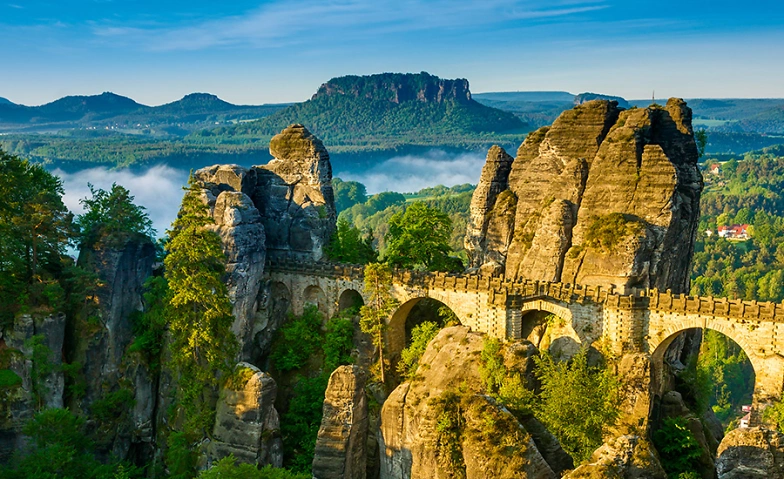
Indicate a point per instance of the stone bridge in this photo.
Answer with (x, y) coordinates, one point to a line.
(617, 322)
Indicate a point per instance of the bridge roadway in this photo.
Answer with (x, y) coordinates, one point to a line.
(637, 322)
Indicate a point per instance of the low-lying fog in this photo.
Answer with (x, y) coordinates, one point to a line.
(159, 188)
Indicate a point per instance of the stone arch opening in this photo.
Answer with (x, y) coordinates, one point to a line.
(314, 295)
(411, 314)
(549, 327)
(350, 298)
(696, 356)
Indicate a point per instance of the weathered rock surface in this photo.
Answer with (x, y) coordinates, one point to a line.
(341, 447)
(752, 453)
(101, 346)
(493, 181)
(19, 401)
(285, 208)
(624, 457)
(409, 416)
(596, 160)
(239, 224)
(294, 195)
(246, 421)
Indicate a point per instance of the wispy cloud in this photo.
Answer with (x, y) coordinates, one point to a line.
(285, 23)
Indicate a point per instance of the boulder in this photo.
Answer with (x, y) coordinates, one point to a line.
(751, 453)
(247, 424)
(448, 382)
(341, 447)
(624, 457)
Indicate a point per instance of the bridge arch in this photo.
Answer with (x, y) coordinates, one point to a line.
(398, 327)
(314, 295)
(768, 381)
(550, 325)
(350, 298)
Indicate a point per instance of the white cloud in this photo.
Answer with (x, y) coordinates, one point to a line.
(283, 23)
(158, 189)
(411, 173)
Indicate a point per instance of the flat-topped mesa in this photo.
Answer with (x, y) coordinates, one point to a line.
(398, 87)
(604, 196)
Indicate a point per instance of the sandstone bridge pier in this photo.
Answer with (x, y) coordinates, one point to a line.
(627, 324)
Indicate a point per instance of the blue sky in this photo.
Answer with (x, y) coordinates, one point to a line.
(252, 51)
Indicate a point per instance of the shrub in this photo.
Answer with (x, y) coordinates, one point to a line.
(606, 232)
(421, 336)
(297, 340)
(338, 342)
(678, 448)
(227, 468)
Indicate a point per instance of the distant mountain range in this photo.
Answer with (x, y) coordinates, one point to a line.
(364, 116)
(113, 111)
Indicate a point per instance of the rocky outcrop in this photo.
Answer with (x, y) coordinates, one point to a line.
(751, 453)
(398, 88)
(247, 424)
(341, 447)
(285, 208)
(294, 195)
(624, 457)
(493, 182)
(410, 441)
(603, 196)
(238, 223)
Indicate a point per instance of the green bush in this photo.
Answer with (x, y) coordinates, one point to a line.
(9, 379)
(338, 342)
(300, 424)
(678, 448)
(227, 468)
(297, 339)
(113, 405)
(578, 403)
(421, 336)
(607, 231)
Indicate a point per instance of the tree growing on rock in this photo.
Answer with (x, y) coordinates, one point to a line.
(203, 347)
(380, 306)
(111, 217)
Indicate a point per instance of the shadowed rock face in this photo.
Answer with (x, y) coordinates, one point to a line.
(597, 165)
(752, 453)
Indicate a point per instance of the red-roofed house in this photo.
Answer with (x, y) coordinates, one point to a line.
(734, 232)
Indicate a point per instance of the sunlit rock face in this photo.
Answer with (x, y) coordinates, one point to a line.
(751, 453)
(603, 196)
(247, 424)
(285, 208)
(341, 447)
(410, 416)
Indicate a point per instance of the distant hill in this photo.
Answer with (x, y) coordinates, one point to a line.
(586, 97)
(388, 109)
(109, 110)
(5, 101)
(526, 96)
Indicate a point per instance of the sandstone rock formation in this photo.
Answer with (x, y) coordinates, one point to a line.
(624, 457)
(493, 182)
(246, 421)
(752, 453)
(341, 447)
(285, 208)
(408, 419)
(603, 196)
(19, 400)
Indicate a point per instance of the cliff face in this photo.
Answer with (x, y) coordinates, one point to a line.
(603, 196)
(285, 208)
(398, 87)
